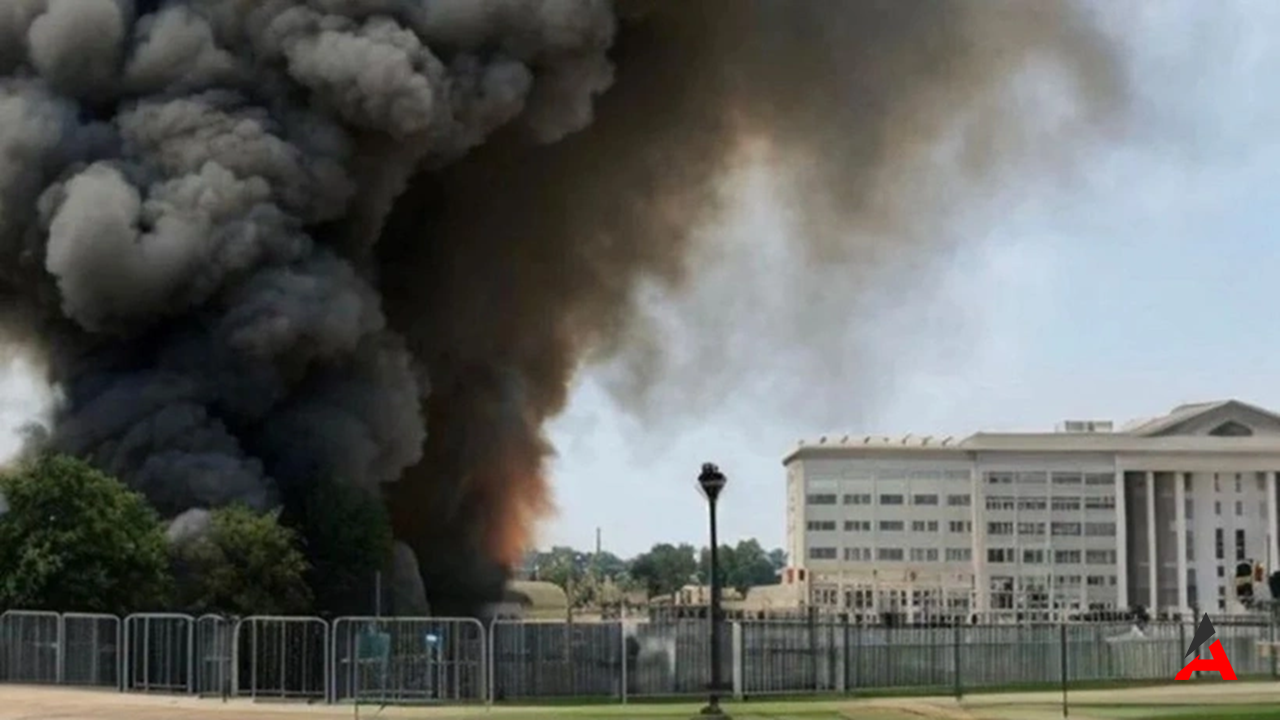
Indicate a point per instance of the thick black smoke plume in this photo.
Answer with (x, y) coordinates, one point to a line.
(261, 242)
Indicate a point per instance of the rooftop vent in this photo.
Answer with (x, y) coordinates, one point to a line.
(1086, 426)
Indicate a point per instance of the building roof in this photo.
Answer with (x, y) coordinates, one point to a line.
(1192, 428)
(536, 595)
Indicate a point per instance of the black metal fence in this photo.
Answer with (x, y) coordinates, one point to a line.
(441, 660)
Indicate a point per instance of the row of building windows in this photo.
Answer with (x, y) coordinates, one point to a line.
(1057, 504)
(929, 526)
(919, 499)
(1042, 478)
(892, 554)
(1058, 529)
(1040, 556)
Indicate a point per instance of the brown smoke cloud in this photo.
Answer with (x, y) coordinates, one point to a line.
(509, 269)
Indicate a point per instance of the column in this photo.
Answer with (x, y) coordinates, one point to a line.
(1122, 544)
(1153, 595)
(1180, 534)
(1273, 523)
(977, 509)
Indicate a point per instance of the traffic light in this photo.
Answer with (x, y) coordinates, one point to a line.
(1244, 582)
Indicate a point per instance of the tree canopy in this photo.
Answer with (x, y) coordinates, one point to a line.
(244, 563)
(73, 538)
(743, 566)
(666, 568)
(348, 540)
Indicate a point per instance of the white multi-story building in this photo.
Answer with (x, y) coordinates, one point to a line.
(1157, 514)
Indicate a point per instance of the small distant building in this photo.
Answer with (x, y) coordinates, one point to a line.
(533, 600)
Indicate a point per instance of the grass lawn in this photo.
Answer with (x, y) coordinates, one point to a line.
(1204, 712)
(804, 710)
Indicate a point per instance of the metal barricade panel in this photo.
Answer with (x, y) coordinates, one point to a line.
(555, 659)
(282, 657)
(214, 640)
(91, 650)
(674, 657)
(31, 647)
(791, 656)
(159, 653)
(409, 660)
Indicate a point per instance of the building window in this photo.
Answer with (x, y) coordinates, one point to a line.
(999, 528)
(959, 500)
(822, 499)
(1262, 481)
(1032, 503)
(1100, 502)
(857, 499)
(929, 499)
(1189, 509)
(924, 526)
(1030, 528)
(1032, 478)
(857, 526)
(961, 526)
(1191, 545)
(1099, 479)
(1100, 529)
(1066, 557)
(1186, 482)
(999, 478)
(892, 499)
(1067, 478)
(1097, 580)
(959, 554)
(1239, 509)
(1217, 487)
(1240, 546)
(1066, 528)
(822, 525)
(1239, 484)
(1066, 504)
(1033, 556)
(1217, 507)
(1100, 557)
(1000, 502)
(891, 526)
(889, 554)
(822, 553)
(1219, 545)
(1000, 555)
(924, 554)
(857, 554)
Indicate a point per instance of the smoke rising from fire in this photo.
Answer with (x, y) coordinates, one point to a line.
(261, 242)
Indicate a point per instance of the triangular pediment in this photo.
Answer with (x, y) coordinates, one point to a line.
(1229, 418)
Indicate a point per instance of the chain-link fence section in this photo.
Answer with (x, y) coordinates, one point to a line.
(556, 659)
(439, 660)
(409, 660)
(31, 647)
(159, 653)
(92, 645)
(282, 657)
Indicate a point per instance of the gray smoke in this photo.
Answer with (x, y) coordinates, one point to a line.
(264, 242)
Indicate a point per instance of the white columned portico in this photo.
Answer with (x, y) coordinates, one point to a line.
(1180, 535)
(1273, 524)
(1122, 545)
(1152, 575)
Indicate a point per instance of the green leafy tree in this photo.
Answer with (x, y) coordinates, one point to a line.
(244, 563)
(73, 538)
(348, 541)
(665, 568)
(742, 566)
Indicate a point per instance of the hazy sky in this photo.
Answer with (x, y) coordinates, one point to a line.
(1149, 285)
(1153, 284)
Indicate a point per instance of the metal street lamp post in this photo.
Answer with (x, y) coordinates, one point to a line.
(712, 481)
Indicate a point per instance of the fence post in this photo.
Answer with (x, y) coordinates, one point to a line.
(622, 629)
(955, 659)
(1063, 645)
(1272, 628)
(736, 635)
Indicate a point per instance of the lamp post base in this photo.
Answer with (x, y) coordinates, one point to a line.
(712, 712)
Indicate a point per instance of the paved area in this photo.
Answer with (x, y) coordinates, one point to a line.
(23, 703)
